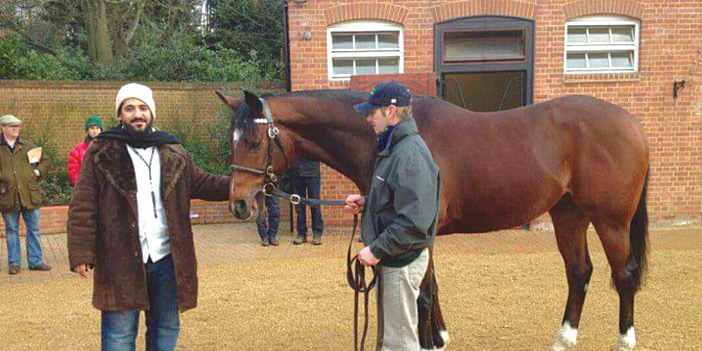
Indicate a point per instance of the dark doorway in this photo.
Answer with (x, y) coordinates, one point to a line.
(497, 90)
(485, 63)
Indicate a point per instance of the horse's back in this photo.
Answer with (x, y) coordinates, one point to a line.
(503, 168)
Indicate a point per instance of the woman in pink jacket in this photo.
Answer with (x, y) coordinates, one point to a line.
(93, 127)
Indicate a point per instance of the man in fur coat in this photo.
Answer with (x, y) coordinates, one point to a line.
(129, 220)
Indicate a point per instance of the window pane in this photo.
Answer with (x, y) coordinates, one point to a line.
(365, 41)
(342, 42)
(575, 61)
(481, 46)
(622, 59)
(342, 67)
(598, 60)
(599, 35)
(365, 66)
(389, 65)
(623, 34)
(576, 35)
(388, 41)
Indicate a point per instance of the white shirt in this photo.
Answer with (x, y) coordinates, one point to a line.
(153, 229)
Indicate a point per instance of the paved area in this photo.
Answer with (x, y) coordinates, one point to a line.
(218, 244)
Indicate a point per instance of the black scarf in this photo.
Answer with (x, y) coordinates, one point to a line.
(139, 140)
(384, 137)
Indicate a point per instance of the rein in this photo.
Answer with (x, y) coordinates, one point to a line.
(355, 271)
(357, 281)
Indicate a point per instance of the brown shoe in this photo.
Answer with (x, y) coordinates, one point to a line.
(299, 240)
(274, 241)
(317, 239)
(14, 269)
(41, 267)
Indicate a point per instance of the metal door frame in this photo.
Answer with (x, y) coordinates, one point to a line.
(486, 23)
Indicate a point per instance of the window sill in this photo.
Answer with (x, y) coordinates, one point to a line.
(601, 77)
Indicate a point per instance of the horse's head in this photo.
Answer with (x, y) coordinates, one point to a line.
(258, 154)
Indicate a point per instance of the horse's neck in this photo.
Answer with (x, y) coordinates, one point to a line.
(343, 146)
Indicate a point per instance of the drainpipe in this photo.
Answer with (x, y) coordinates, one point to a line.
(288, 88)
(286, 35)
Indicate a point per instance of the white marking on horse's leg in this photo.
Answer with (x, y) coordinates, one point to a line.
(445, 337)
(627, 341)
(566, 337)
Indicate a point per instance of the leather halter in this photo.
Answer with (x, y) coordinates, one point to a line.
(269, 187)
(271, 178)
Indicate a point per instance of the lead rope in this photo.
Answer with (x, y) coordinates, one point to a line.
(357, 281)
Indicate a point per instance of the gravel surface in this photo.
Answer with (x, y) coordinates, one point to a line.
(497, 301)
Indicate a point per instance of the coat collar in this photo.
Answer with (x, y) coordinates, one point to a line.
(19, 142)
(114, 161)
(403, 129)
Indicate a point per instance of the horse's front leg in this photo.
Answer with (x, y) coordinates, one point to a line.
(432, 328)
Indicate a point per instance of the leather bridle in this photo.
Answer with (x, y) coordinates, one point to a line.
(271, 179)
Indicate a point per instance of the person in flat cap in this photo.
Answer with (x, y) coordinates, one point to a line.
(93, 128)
(400, 213)
(20, 195)
(129, 220)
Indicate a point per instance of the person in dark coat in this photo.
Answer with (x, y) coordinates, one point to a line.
(400, 213)
(20, 195)
(267, 223)
(306, 181)
(129, 220)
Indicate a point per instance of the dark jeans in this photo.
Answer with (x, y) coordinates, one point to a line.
(270, 230)
(307, 187)
(119, 328)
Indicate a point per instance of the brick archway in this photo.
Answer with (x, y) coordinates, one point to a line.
(359, 11)
(594, 7)
(509, 8)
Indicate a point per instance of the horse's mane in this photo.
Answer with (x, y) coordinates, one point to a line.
(243, 117)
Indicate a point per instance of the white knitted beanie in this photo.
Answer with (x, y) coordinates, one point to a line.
(137, 91)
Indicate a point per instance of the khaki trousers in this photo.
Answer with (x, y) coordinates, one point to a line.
(399, 290)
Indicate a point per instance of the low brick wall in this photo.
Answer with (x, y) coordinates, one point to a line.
(53, 218)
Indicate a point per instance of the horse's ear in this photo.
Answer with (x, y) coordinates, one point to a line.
(229, 101)
(253, 103)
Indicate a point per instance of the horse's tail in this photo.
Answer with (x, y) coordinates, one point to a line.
(638, 240)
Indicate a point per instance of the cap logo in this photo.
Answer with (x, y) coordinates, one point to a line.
(374, 91)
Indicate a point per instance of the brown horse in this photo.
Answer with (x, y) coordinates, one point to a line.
(581, 159)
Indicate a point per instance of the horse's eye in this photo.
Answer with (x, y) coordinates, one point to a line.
(255, 145)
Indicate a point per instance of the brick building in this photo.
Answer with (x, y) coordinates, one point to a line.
(630, 53)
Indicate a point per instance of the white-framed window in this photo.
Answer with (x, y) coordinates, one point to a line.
(601, 44)
(364, 47)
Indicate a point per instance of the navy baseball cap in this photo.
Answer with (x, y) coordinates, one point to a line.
(384, 94)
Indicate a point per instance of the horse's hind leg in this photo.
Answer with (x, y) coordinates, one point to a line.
(571, 225)
(615, 241)
(432, 329)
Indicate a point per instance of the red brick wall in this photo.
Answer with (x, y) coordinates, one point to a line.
(670, 49)
(57, 109)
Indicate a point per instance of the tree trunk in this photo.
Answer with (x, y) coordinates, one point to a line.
(99, 46)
